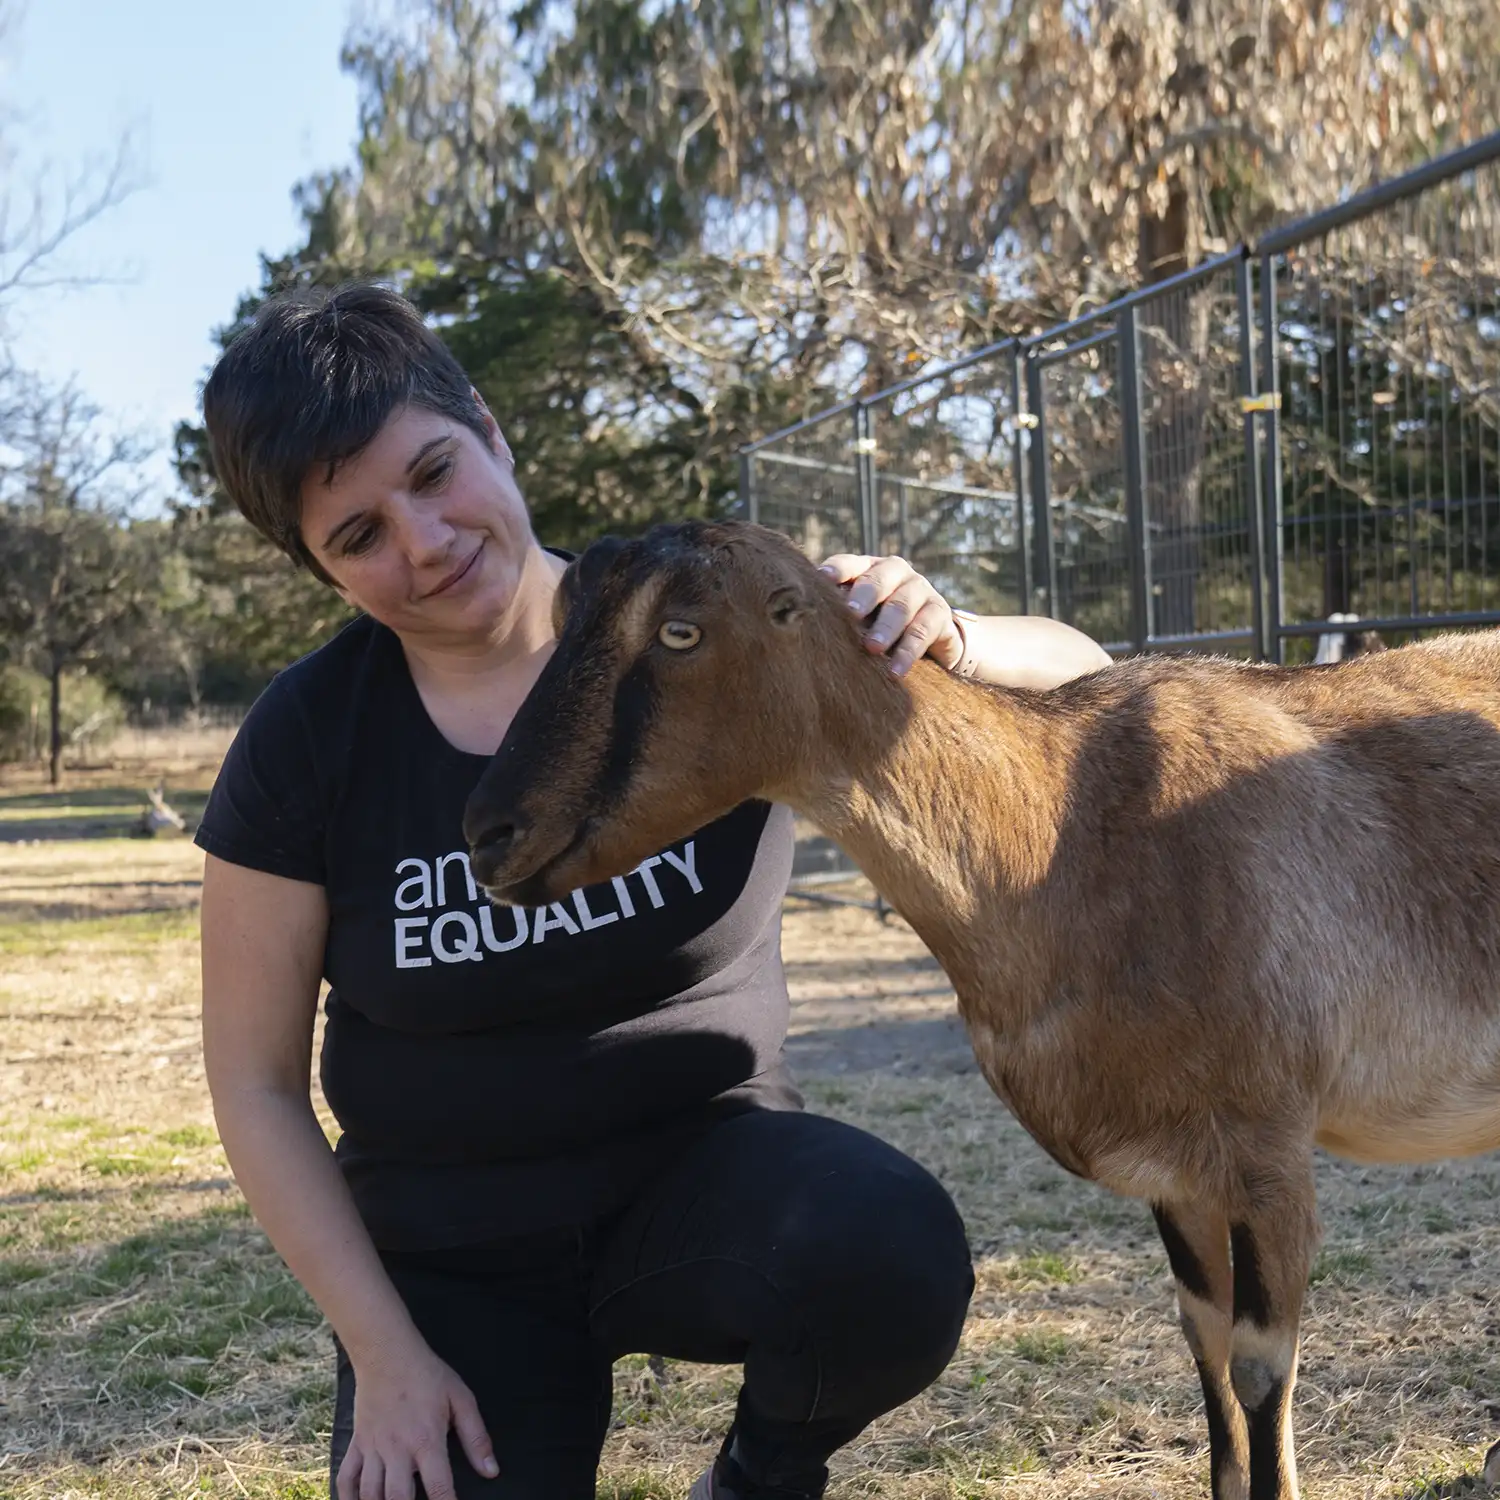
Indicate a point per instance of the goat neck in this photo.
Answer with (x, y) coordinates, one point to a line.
(954, 812)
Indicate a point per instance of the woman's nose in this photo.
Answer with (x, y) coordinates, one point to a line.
(426, 533)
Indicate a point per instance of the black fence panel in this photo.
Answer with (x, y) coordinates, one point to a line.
(1199, 492)
(1082, 433)
(1123, 472)
(806, 482)
(1387, 361)
(945, 469)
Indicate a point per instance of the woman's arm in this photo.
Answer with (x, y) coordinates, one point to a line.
(1025, 650)
(263, 940)
(915, 620)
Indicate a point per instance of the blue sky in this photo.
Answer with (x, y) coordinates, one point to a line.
(232, 103)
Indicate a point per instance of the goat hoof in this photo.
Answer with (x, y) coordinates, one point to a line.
(1492, 1467)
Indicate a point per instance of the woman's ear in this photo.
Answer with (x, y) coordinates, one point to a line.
(498, 446)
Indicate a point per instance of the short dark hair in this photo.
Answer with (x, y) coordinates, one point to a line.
(308, 384)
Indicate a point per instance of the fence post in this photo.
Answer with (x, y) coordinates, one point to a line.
(1024, 531)
(1136, 526)
(1046, 553)
(1270, 389)
(748, 497)
(1255, 523)
(864, 480)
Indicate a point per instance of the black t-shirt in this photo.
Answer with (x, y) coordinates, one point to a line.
(499, 1070)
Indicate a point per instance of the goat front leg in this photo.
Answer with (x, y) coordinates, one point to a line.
(1197, 1241)
(1273, 1233)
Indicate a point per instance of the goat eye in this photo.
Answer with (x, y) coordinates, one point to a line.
(679, 635)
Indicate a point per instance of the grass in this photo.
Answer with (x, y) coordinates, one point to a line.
(1348, 1266)
(152, 1345)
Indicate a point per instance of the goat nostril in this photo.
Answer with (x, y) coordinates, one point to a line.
(490, 850)
(493, 835)
(494, 841)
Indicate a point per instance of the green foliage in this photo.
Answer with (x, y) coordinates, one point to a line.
(90, 710)
(245, 611)
(79, 578)
(1346, 1266)
(1044, 1347)
(487, 224)
(600, 445)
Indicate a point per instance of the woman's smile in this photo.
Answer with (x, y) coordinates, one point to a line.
(457, 578)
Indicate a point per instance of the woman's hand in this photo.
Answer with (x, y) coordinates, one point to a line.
(914, 620)
(402, 1412)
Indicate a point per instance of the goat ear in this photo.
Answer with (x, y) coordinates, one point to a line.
(787, 605)
(562, 600)
(581, 577)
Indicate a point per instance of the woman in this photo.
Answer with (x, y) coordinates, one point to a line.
(567, 1133)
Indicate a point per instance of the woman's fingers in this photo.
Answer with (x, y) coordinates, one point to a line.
(400, 1482)
(845, 567)
(472, 1436)
(911, 619)
(436, 1472)
(879, 581)
(930, 633)
(346, 1486)
(371, 1478)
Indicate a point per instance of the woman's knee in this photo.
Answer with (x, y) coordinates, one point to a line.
(917, 1263)
(885, 1279)
(884, 1247)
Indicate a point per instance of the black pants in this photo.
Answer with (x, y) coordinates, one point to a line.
(831, 1266)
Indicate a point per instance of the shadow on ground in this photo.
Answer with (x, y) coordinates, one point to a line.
(930, 1047)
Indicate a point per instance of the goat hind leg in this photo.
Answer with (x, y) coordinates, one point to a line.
(1272, 1236)
(1197, 1241)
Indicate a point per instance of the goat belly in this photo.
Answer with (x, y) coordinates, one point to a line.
(1131, 1136)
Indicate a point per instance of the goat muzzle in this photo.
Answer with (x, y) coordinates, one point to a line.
(492, 846)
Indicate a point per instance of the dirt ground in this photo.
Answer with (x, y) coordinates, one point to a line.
(151, 1344)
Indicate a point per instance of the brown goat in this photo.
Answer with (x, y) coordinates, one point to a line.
(1199, 914)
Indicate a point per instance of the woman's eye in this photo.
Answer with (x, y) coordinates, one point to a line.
(361, 540)
(436, 474)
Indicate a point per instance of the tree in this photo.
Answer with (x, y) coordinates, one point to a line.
(242, 610)
(609, 433)
(896, 176)
(654, 230)
(78, 581)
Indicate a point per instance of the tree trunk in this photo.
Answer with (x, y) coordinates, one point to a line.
(1163, 251)
(55, 713)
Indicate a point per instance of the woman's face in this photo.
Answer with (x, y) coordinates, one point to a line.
(425, 529)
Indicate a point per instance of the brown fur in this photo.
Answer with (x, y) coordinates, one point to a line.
(1199, 914)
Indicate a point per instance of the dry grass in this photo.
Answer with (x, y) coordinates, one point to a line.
(151, 1345)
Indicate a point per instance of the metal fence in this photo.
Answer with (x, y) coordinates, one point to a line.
(1236, 459)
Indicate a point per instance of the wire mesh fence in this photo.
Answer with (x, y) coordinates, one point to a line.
(1386, 355)
(807, 483)
(1194, 369)
(944, 461)
(1237, 459)
(1076, 392)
